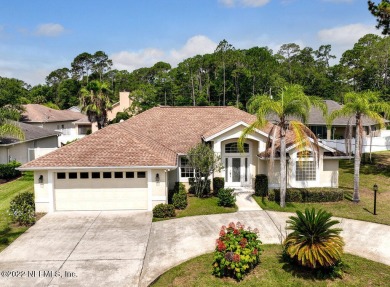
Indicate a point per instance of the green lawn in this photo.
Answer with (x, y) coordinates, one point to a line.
(377, 172)
(8, 231)
(272, 271)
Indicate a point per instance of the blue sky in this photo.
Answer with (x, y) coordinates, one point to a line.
(37, 37)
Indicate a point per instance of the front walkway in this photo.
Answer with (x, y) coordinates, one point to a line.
(175, 241)
(245, 201)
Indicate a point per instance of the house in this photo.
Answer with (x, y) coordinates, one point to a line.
(72, 125)
(37, 142)
(121, 106)
(317, 123)
(131, 165)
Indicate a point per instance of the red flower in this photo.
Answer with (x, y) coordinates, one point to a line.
(236, 257)
(232, 225)
(236, 232)
(220, 245)
(222, 233)
(243, 242)
(255, 251)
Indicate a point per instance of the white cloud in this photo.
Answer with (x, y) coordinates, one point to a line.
(346, 35)
(244, 3)
(49, 30)
(130, 60)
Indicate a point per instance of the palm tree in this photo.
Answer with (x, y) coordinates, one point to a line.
(8, 127)
(95, 102)
(358, 105)
(312, 242)
(291, 102)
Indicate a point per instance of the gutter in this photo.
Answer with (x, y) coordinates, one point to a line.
(95, 168)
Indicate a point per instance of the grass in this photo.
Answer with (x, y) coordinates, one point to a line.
(272, 271)
(377, 172)
(8, 231)
(201, 206)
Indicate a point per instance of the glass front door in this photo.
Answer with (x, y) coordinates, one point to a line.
(236, 171)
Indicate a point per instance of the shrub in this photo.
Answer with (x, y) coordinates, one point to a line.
(226, 197)
(178, 188)
(8, 171)
(22, 208)
(312, 242)
(237, 251)
(218, 183)
(308, 195)
(163, 210)
(180, 200)
(261, 185)
(192, 189)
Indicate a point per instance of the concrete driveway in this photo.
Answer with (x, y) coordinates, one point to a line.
(79, 249)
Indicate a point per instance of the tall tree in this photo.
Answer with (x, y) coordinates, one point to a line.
(290, 103)
(382, 13)
(82, 66)
(101, 64)
(223, 51)
(95, 102)
(357, 105)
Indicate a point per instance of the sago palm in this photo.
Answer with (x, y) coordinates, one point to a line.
(291, 108)
(312, 242)
(357, 105)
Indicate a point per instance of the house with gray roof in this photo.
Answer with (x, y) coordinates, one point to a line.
(132, 165)
(37, 141)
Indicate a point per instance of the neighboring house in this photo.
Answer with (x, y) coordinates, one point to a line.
(63, 121)
(121, 106)
(37, 142)
(131, 165)
(317, 123)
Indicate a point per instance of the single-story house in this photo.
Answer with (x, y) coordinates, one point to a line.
(133, 164)
(72, 125)
(37, 141)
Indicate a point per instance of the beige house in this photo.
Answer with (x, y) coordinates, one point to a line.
(131, 165)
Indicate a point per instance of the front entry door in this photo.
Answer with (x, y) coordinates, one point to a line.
(236, 171)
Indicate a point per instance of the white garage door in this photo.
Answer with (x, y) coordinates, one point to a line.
(101, 191)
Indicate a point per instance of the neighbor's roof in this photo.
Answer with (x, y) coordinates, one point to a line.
(152, 138)
(83, 121)
(316, 117)
(36, 113)
(30, 133)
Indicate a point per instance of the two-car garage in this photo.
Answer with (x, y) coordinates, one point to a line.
(100, 190)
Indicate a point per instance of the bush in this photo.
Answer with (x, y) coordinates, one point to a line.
(312, 242)
(163, 210)
(218, 183)
(192, 183)
(237, 251)
(226, 197)
(261, 185)
(180, 200)
(22, 208)
(308, 195)
(178, 188)
(8, 171)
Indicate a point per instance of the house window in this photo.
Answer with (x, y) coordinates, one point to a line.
(96, 175)
(118, 174)
(73, 175)
(305, 171)
(84, 175)
(185, 169)
(129, 174)
(233, 148)
(141, 174)
(61, 175)
(107, 174)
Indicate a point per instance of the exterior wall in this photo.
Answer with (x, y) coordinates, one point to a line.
(159, 188)
(330, 174)
(41, 192)
(124, 103)
(172, 178)
(19, 151)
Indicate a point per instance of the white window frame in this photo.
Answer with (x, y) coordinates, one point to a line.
(184, 178)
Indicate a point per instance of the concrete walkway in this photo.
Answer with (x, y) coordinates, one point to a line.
(175, 241)
(245, 201)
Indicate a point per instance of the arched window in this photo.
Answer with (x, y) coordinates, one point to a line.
(233, 148)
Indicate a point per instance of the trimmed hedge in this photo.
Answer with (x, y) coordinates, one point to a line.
(218, 183)
(22, 208)
(226, 197)
(179, 198)
(8, 171)
(261, 185)
(323, 194)
(163, 210)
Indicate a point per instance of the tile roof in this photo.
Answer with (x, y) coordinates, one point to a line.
(40, 114)
(30, 133)
(152, 138)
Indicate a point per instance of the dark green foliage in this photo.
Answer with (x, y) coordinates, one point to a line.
(163, 210)
(237, 251)
(226, 197)
(218, 183)
(22, 208)
(308, 195)
(8, 171)
(206, 190)
(180, 200)
(261, 185)
(382, 15)
(179, 187)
